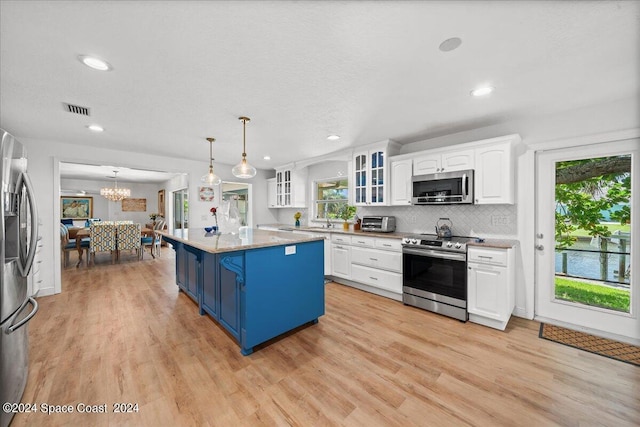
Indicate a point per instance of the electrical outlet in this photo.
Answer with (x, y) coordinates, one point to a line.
(499, 220)
(412, 219)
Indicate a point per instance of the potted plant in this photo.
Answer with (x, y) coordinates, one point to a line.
(346, 213)
(297, 217)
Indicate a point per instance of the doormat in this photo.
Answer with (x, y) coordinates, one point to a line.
(605, 347)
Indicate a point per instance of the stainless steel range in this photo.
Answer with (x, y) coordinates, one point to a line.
(435, 274)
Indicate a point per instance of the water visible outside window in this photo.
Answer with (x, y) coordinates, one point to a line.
(593, 232)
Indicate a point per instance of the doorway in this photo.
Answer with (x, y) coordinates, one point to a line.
(585, 238)
(236, 196)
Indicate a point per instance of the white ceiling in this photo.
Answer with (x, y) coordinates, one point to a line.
(105, 173)
(186, 70)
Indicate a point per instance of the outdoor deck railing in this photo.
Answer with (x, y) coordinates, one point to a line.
(622, 273)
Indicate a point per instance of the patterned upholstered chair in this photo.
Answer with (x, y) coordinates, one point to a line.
(103, 238)
(128, 238)
(69, 245)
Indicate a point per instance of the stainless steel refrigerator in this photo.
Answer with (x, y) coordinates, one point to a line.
(19, 234)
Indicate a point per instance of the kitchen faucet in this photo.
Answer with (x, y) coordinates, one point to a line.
(329, 225)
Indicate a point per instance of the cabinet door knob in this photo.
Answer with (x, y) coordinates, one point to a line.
(470, 268)
(540, 247)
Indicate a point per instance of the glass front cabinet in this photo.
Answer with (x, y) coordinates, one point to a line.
(290, 187)
(371, 174)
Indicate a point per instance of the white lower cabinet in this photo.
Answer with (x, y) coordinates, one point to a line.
(373, 264)
(490, 291)
(341, 260)
(385, 260)
(377, 278)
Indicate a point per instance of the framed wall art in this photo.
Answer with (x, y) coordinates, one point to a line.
(161, 203)
(76, 207)
(134, 205)
(205, 194)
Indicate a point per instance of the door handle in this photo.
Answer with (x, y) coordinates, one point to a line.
(540, 247)
(24, 321)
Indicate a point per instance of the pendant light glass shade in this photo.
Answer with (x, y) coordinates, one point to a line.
(211, 178)
(244, 169)
(115, 194)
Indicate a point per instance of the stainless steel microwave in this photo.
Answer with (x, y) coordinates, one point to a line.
(446, 188)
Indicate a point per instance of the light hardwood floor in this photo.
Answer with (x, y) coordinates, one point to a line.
(123, 333)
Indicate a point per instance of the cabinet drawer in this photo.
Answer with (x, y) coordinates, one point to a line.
(389, 244)
(341, 238)
(377, 278)
(363, 241)
(376, 258)
(491, 256)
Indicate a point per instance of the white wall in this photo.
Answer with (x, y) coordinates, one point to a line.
(45, 156)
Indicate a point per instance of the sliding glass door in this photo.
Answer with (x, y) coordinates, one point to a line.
(181, 209)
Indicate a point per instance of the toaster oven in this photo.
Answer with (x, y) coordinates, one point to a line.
(381, 224)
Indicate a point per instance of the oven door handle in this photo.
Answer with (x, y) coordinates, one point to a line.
(434, 254)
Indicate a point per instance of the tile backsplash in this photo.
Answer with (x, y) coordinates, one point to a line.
(494, 221)
(468, 220)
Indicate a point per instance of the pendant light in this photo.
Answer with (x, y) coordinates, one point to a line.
(115, 194)
(211, 178)
(244, 169)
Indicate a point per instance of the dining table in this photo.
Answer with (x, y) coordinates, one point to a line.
(83, 233)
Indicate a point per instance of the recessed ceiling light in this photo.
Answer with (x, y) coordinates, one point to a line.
(333, 137)
(450, 44)
(95, 63)
(95, 128)
(266, 158)
(481, 91)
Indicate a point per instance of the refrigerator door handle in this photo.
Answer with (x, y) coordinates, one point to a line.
(12, 327)
(26, 182)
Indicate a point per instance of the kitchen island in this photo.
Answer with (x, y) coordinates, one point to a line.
(257, 284)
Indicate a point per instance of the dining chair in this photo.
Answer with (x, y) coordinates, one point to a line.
(102, 239)
(154, 241)
(128, 238)
(68, 245)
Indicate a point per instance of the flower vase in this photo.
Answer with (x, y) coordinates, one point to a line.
(345, 226)
(297, 223)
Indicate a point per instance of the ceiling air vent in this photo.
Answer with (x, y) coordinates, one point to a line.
(76, 109)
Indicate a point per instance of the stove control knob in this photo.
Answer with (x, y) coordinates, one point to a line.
(405, 240)
(449, 244)
(458, 245)
(414, 241)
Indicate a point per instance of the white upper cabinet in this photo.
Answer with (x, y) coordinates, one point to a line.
(291, 187)
(494, 177)
(271, 193)
(401, 173)
(447, 161)
(371, 173)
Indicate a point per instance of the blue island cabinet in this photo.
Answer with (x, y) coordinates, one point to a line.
(222, 280)
(187, 270)
(256, 294)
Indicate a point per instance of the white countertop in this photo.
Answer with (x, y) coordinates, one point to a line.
(251, 239)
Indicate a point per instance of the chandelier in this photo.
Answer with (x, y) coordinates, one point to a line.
(115, 194)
